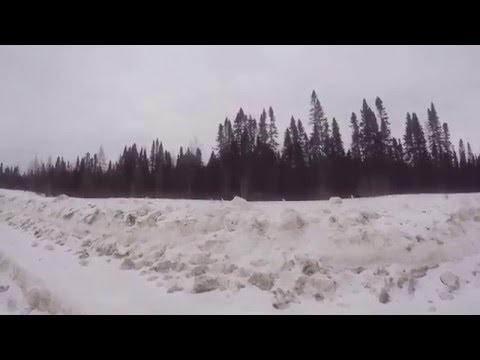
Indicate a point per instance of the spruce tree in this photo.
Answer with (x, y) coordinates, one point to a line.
(239, 125)
(318, 119)
(461, 152)
(262, 128)
(252, 133)
(228, 133)
(220, 138)
(470, 156)
(153, 157)
(447, 159)
(368, 132)
(356, 153)
(294, 131)
(198, 157)
(385, 136)
(303, 138)
(298, 156)
(419, 142)
(408, 145)
(101, 159)
(287, 148)
(272, 131)
(316, 111)
(436, 145)
(315, 145)
(325, 138)
(336, 141)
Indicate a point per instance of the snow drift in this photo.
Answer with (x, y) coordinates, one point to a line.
(292, 250)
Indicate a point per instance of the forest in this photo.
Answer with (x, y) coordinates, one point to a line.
(310, 161)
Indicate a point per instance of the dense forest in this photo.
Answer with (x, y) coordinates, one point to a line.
(248, 161)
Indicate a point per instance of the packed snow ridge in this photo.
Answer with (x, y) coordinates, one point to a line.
(317, 251)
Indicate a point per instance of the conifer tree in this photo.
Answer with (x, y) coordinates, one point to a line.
(385, 136)
(336, 140)
(461, 152)
(262, 128)
(272, 130)
(355, 148)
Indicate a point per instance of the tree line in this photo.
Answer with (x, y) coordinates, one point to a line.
(248, 161)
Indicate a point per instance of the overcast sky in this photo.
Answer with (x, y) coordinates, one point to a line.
(68, 100)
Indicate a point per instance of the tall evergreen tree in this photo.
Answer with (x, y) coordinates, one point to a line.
(435, 135)
(153, 157)
(447, 157)
(385, 136)
(419, 142)
(102, 159)
(252, 132)
(461, 152)
(368, 132)
(408, 141)
(294, 131)
(471, 157)
(220, 138)
(336, 141)
(262, 128)
(298, 156)
(455, 159)
(316, 111)
(326, 138)
(287, 150)
(239, 125)
(318, 119)
(446, 138)
(356, 152)
(272, 130)
(397, 154)
(315, 145)
(303, 139)
(228, 133)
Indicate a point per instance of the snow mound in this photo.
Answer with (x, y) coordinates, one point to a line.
(288, 250)
(450, 280)
(291, 220)
(61, 197)
(335, 200)
(239, 202)
(127, 264)
(262, 281)
(205, 284)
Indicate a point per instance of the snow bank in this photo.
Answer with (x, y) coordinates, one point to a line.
(335, 200)
(290, 250)
(238, 201)
(24, 293)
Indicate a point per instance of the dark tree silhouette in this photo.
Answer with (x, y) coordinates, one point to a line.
(246, 162)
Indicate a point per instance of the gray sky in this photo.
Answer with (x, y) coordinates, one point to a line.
(68, 100)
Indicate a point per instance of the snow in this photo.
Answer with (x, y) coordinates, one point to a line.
(335, 200)
(450, 280)
(409, 254)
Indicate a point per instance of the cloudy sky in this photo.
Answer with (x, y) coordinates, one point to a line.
(68, 100)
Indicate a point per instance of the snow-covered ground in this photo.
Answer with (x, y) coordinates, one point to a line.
(412, 254)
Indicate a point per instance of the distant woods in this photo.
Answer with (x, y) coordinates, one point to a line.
(251, 160)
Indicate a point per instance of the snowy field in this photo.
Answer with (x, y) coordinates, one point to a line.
(411, 254)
